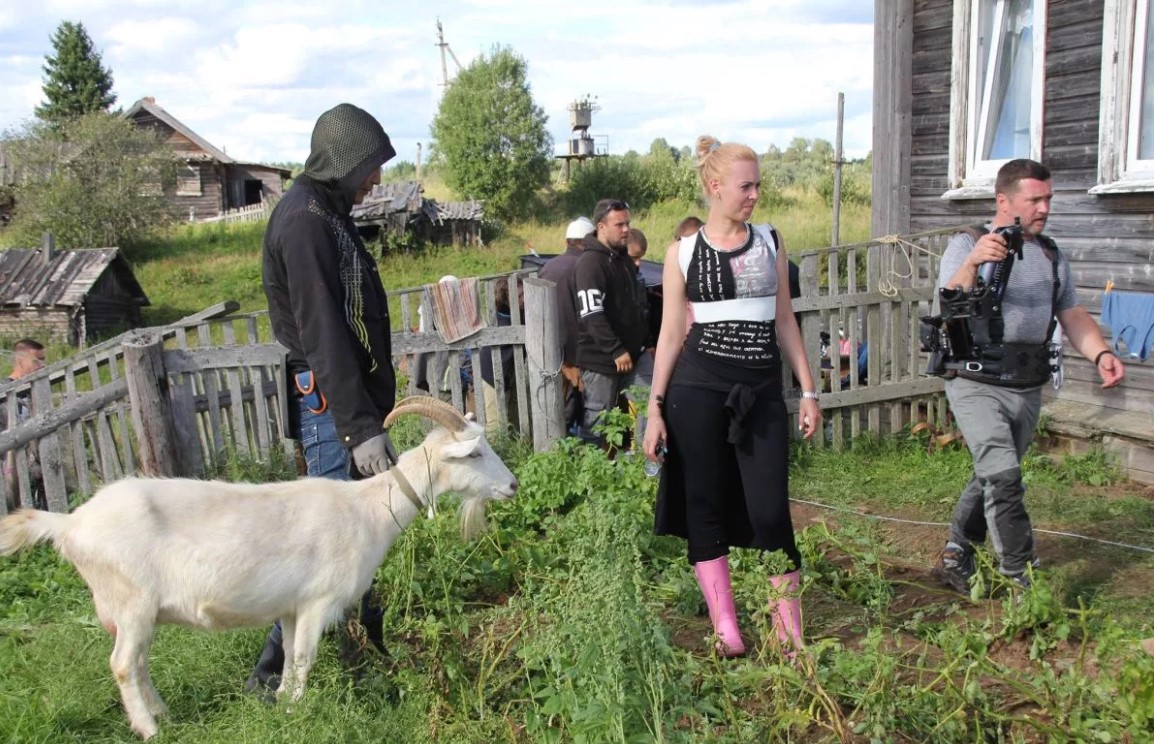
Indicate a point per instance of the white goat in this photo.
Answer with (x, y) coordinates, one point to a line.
(215, 555)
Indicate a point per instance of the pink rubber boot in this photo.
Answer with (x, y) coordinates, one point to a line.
(785, 611)
(713, 578)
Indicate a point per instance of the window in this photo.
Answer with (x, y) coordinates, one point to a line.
(150, 182)
(188, 182)
(999, 87)
(1126, 120)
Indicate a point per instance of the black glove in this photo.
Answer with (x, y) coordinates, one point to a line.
(375, 455)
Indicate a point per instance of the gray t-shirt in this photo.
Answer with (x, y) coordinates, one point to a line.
(1027, 303)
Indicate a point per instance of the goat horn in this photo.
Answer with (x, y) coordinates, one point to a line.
(431, 408)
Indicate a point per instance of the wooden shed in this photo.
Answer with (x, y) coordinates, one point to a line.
(400, 207)
(73, 295)
(962, 86)
(210, 182)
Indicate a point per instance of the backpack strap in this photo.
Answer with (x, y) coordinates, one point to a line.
(770, 235)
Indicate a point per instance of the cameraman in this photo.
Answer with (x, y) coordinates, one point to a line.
(996, 396)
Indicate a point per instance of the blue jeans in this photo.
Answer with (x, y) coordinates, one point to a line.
(325, 456)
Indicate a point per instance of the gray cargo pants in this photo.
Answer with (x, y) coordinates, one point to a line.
(998, 424)
(602, 393)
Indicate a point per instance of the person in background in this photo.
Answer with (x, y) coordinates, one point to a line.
(562, 270)
(27, 357)
(637, 246)
(611, 310)
(716, 412)
(328, 308)
(687, 227)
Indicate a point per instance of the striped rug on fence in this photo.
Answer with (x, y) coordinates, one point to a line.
(456, 308)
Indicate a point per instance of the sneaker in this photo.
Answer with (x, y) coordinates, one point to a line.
(955, 568)
(1021, 582)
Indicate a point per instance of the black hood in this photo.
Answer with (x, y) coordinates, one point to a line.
(347, 145)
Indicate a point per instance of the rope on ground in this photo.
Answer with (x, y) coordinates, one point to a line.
(907, 249)
(900, 520)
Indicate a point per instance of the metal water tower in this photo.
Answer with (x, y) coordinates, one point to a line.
(581, 143)
(580, 119)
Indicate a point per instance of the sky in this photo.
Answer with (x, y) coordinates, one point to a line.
(252, 76)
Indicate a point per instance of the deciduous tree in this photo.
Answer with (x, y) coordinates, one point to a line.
(93, 181)
(491, 136)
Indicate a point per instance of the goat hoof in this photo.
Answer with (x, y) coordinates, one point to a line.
(145, 730)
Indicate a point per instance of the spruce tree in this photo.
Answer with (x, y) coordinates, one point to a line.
(75, 80)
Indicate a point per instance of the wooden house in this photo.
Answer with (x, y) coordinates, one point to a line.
(73, 295)
(961, 86)
(400, 207)
(210, 182)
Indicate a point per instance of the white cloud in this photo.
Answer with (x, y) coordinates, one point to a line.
(253, 76)
(169, 35)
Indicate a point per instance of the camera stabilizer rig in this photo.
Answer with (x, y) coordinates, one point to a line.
(971, 320)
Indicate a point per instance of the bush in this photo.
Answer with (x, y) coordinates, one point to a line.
(95, 181)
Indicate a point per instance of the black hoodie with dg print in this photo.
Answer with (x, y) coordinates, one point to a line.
(326, 302)
(611, 306)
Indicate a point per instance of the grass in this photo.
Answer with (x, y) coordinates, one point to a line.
(569, 621)
(190, 267)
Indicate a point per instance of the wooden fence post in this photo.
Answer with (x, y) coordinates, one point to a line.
(152, 419)
(48, 450)
(543, 351)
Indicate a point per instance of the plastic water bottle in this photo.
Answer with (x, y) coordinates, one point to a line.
(653, 467)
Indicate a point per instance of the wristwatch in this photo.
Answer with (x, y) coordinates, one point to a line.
(810, 394)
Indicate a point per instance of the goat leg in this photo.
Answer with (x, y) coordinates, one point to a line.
(152, 698)
(288, 630)
(132, 640)
(309, 626)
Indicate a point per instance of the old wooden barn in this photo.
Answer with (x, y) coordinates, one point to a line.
(961, 86)
(210, 181)
(73, 296)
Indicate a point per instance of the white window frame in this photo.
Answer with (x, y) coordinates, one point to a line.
(184, 179)
(970, 178)
(1124, 22)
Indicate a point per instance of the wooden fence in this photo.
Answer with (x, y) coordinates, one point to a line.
(182, 398)
(875, 293)
(251, 213)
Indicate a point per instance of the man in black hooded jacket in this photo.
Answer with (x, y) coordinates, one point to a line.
(327, 306)
(612, 308)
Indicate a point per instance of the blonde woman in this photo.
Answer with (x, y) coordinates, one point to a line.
(716, 412)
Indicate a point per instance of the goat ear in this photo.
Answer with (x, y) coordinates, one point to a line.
(461, 448)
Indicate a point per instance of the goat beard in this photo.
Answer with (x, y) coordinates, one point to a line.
(473, 519)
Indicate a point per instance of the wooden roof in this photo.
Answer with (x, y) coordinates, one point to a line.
(406, 197)
(64, 280)
(147, 109)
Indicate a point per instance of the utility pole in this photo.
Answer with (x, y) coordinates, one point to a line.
(444, 46)
(838, 162)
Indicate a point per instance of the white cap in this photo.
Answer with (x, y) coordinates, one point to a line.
(579, 228)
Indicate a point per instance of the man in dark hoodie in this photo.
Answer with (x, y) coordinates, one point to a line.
(612, 313)
(561, 270)
(327, 306)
